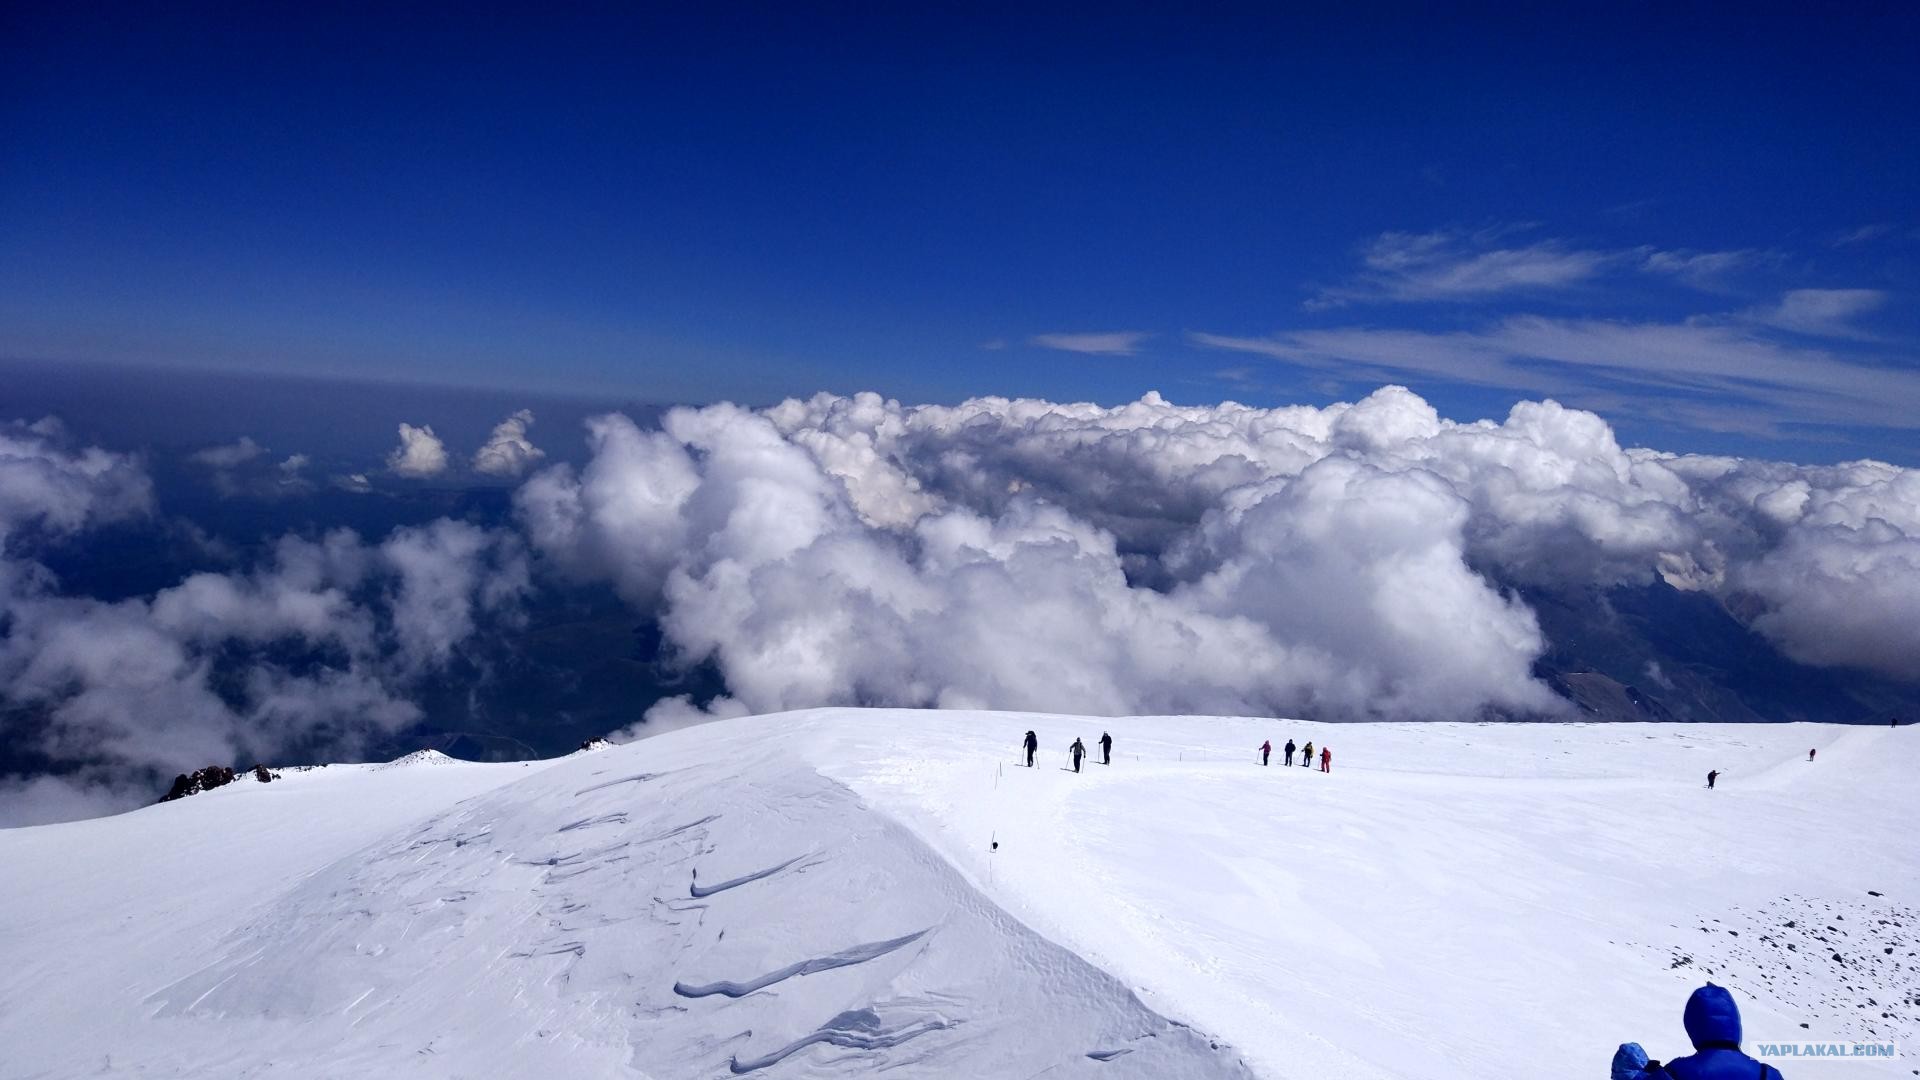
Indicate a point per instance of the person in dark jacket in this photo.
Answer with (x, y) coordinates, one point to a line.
(1078, 751)
(1812, 752)
(1711, 777)
(1288, 750)
(1265, 749)
(1713, 1024)
(1032, 743)
(1106, 749)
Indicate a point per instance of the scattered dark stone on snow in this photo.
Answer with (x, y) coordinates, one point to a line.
(262, 774)
(1870, 892)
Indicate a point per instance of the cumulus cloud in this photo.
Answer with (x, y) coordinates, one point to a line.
(48, 486)
(507, 451)
(420, 453)
(1352, 561)
(1101, 343)
(243, 468)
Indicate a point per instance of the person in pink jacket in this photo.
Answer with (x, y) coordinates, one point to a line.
(1326, 759)
(1265, 749)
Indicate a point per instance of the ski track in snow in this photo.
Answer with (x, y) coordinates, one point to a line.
(1450, 900)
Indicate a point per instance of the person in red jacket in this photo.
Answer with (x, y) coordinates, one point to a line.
(1265, 749)
(1326, 759)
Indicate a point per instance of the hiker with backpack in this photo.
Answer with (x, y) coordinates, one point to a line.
(1288, 749)
(1106, 749)
(1078, 751)
(1265, 749)
(1306, 754)
(1031, 743)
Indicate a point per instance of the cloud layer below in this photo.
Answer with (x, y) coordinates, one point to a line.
(1352, 561)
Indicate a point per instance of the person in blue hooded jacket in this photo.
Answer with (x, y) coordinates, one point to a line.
(1713, 1024)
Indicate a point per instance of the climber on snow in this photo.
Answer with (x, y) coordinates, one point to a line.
(1265, 749)
(1106, 749)
(1032, 743)
(1078, 751)
(1288, 760)
(1306, 754)
(1326, 759)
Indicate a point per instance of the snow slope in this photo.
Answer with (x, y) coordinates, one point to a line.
(816, 894)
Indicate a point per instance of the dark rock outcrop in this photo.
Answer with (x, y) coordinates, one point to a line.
(194, 783)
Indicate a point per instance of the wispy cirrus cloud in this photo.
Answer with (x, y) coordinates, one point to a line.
(1705, 270)
(1730, 363)
(1096, 343)
(1822, 312)
(1865, 234)
(1449, 265)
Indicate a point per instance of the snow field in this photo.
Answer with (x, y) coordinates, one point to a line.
(815, 894)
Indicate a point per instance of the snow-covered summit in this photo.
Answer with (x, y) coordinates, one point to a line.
(419, 758)
(843, 892)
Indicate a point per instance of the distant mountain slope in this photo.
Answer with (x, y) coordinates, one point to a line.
(1657, 653)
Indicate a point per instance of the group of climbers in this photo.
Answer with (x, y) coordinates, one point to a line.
(1306, 754)
(1078, 751)
(1031, 744)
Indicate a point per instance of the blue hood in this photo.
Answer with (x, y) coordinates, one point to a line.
(1712, 1017)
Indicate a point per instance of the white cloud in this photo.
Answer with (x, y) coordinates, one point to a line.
(1864, 234)
(48, 486)
(1822, 312)
(420, 453)
(507, 451)
(1103, 343)
(1448, 265)
(230, 455)
(1706, 270)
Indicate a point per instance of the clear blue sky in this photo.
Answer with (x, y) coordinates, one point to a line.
(1707, 226)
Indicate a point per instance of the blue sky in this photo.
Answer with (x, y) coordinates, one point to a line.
(1705, 227)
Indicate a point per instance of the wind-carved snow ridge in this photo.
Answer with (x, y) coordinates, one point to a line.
(857, 1029)
(549, 927)
(858, 954)
(699, 891)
